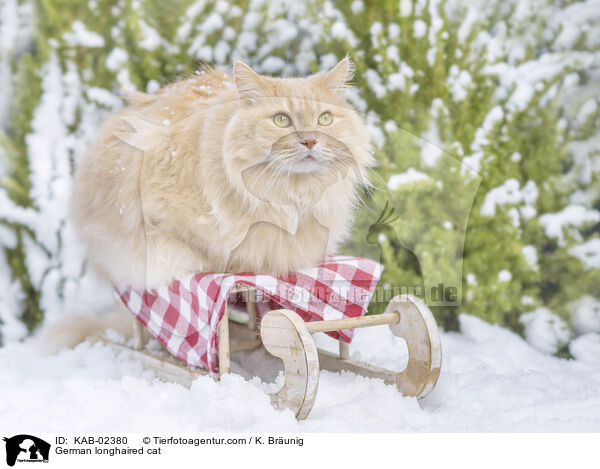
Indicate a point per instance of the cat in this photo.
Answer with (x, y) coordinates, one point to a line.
(218, 173)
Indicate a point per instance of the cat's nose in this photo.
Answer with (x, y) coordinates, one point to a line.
(309, 143)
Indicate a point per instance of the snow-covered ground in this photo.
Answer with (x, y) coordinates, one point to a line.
(491, 380)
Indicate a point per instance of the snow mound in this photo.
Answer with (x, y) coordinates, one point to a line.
(491, 380)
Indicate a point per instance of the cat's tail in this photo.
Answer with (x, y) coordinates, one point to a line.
(76, 328)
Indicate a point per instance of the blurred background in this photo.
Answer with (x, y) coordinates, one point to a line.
(484, 117)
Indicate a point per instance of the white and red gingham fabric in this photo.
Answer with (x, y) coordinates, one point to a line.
(184, 315)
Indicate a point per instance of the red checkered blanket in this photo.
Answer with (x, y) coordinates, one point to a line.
(184, 315)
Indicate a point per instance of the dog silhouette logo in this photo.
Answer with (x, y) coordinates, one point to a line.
(26, 448)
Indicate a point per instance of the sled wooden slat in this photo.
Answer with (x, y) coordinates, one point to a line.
(332, 362)
(418, 328)
(138, 335)
(166, 367)
(353, 323)
(344, 352)
(223, 338)
(285, 335)
(252, 310)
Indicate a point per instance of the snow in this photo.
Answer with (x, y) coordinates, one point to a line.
(152, 87)
(411, 175)
(405, 8)
(586, 348)
(511, 193)
(460, 82)
(466, 26)
(572, 215)
(116, 59)
(11, 294)
(376, 29)
(520, 97)
(213, 22)
(374, 81)
(531, 255)
(507, 193)
(494, 116)
(70, 111)
(588, 253)
(530, 192)
(585, 315)
(397, 81)
(338, 30)
(419, 28)
(221, 51)
(273, 65)
(14, 213)
(431, 144)
(15, 36)
(573, 20)
(585, 155)
(48, 150)
(491, 380)
(587, 110)
(5, 96)
(104, 98)
(55, 259)
(393, 54)
(124, 81)
(504, 276)
(80, 36)
(545, 330)
(357, 6)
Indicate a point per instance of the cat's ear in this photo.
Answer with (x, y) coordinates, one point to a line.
(338, 77)
(250, 84)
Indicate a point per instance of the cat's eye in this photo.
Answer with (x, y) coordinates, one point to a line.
(282, 120)
(325, 119)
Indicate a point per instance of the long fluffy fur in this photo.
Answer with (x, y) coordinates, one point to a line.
(198, 178)
(74, 329)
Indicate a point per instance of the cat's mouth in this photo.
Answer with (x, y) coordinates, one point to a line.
(307, 163)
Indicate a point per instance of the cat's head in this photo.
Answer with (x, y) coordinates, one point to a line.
(295, 134)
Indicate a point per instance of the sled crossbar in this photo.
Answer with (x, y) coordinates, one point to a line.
(353, 323)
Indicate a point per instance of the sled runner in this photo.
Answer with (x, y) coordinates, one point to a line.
(281, 314)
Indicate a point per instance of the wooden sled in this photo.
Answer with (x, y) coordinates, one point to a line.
(285, 335)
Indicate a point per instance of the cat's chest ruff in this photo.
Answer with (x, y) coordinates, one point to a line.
(288, 218)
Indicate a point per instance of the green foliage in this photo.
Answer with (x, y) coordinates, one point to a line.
(436, 107)
(493, 243)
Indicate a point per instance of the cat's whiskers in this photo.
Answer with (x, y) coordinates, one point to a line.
(267, 166)
(337, 165)
(369, 188)
(265, 188)
(344, 155)
(333, 160)
(274, 177)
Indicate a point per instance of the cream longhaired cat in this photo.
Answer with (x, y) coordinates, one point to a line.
(212, 174)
